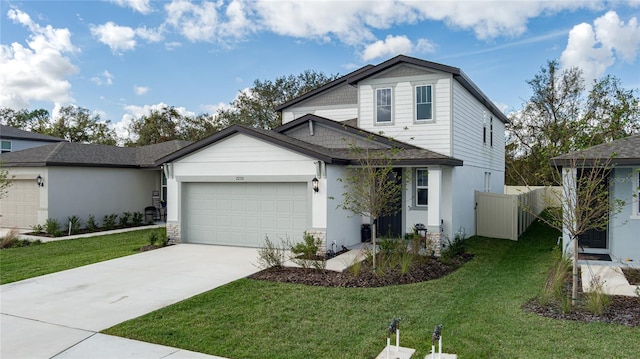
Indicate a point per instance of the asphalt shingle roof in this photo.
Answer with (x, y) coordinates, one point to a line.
(625, 151)
(12, 133)
(89, 155)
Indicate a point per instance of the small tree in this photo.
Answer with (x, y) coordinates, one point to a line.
(372, 187)
(585, 199)
(5, 181)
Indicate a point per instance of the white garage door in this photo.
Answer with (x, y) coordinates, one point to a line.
(241, 214)
(19, 209)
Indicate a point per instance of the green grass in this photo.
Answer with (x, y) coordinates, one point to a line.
(479, 306)
(39, 259)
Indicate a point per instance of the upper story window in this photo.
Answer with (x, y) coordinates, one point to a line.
(383, 105)
(6, 146)
(636, 193)
(422, 187)
(424, 103)
(484, 127)
(491, 131)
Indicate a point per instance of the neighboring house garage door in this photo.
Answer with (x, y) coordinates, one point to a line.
(19, 209)
(241, 214)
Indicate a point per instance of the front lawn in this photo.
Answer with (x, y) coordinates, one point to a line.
(479, 305)
(38, 259)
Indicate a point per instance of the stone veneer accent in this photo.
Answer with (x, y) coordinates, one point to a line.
(173, 233)
(322, 235)
(434, 243)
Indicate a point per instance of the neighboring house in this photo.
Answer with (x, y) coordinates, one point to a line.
(13, 139)
(81, 179)
(242, 184)
(621, 240)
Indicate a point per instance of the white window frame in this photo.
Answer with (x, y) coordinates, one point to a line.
(3, 150)
(491, 131)
(418, 187)
(635, 200)
(391, 105)
(484, 127)
(415, 103)
(487, 181)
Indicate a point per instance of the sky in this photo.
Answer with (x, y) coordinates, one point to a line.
(122, 58)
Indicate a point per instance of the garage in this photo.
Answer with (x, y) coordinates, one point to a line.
(241, 214)
(19, 209)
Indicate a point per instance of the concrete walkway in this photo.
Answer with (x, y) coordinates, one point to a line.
(59, 314)
(613, 280)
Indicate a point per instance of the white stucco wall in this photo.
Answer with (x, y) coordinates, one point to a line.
(342, 226)
(86, 191)
(624, 229)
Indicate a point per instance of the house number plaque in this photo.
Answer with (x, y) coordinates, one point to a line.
(239, 178)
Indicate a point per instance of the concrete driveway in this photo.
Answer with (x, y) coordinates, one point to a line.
(44, 317)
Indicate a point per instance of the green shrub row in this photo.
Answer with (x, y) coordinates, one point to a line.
(74, 225)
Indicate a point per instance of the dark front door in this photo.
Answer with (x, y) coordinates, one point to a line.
(392, 225)
(594, 238)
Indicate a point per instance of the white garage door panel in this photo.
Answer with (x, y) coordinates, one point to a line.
(241, 214)
(19, 209)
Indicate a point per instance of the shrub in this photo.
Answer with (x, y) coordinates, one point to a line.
(558, 276)
(595, 300)
(456, 247)
(109, 221)
(92, 226)
(153, 238)
(52, 227)
(271, 256)
(37, 229)
(9, 240)
(74, 224)
(308, 248)
(137, 218)
(125, 218)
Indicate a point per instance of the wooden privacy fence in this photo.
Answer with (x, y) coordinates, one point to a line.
(509, 215)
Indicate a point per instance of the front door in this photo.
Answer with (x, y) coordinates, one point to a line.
(391, 226)
(594, 238)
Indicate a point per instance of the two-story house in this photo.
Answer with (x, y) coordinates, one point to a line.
(244, 184)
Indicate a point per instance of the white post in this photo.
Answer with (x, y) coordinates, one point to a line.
(388, 346)
(440, 348)
(433, 351)
(397, 340)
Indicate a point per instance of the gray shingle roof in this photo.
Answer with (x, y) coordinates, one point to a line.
(625, 151)
(409, 155)
(88, 155)
(12, 133)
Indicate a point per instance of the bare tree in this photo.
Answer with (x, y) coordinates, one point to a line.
(372, 188)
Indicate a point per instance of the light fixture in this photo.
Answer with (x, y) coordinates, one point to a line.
(314, 183)
(40, 181)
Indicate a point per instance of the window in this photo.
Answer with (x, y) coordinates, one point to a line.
(484, 127)
(422, 187)
(487, 181)
(6, 146)
(164, 187)
(383, 105)
(636, 193)
(424, 103)
(491, 131)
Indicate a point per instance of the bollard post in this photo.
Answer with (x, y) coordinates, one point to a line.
(436, 336)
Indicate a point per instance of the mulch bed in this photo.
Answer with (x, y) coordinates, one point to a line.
(632, 275)
(422, 270)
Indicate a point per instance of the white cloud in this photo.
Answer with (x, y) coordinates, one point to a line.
(396, 45)
(170, 46)
(38, 71)
(118, 38)
(150, 35)
(212, 109)
(594, 50)
(391, 46)
(141, 6)
(614, 34)
(105, 78)
(140, 90)
(134, 112)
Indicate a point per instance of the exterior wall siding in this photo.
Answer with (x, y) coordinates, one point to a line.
(624, 241)
(17, 145)
(434, 135)
(342, 226)
(98, 191)
(336, 113)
